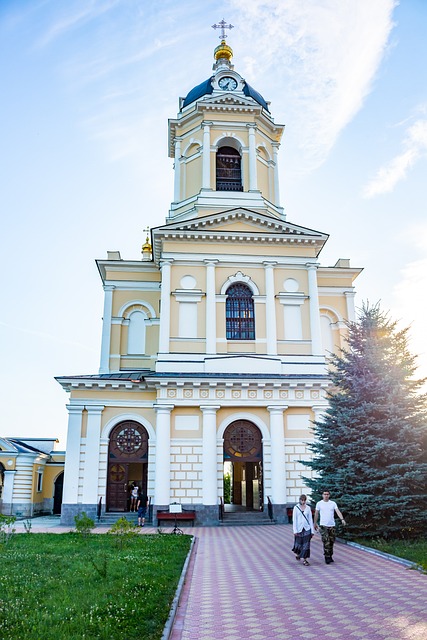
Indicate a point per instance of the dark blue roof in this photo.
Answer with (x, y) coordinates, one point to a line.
(201, 90)
(206, 88)
(251, 93)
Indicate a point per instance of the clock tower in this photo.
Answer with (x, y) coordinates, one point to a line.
(225, 144)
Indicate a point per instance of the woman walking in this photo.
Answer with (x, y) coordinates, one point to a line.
(302, 521)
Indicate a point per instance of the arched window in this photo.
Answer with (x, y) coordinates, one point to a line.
(228, 170)
(239, 313)
(136, 333)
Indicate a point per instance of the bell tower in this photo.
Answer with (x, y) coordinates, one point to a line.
(225, 144)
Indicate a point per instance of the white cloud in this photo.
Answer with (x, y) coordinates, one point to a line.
(410, 302)
(322, 54)
(414, 148)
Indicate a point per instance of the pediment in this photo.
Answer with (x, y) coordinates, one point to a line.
(230, 100)
(239, 221)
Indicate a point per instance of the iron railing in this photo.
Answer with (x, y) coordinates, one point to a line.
(270, 508)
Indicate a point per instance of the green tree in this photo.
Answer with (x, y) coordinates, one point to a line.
(370, 448)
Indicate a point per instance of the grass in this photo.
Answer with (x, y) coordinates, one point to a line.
(69, 587)
(413, 550)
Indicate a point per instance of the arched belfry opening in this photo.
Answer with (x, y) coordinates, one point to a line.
(127, 464)
(228, 170)
(243, 477)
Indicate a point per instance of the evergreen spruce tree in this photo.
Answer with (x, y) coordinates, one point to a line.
(370, 448)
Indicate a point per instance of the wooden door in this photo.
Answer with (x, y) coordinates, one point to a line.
(118, 486)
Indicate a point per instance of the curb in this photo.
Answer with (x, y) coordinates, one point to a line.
(381, 554)
(175, 602)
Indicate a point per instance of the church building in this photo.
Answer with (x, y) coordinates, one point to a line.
(215, 343)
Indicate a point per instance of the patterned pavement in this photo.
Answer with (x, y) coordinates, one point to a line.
(244, 582)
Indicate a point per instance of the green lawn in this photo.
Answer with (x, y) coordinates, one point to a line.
(65, 586)
(414, 550)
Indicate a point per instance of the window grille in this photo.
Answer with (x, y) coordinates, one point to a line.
(240, 315)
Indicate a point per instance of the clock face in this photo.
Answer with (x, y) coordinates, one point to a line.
(227, 84)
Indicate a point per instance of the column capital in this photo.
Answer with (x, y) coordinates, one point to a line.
(75, 408)
(163, 408)
(210, 261)
(269, 263)
(209, 408)
(165, 262)
(109, 287)
(277, 408)
(207, 123)
(95, 408)
(252, 126)
(312, 265)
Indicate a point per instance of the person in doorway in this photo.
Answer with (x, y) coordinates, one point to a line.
(302, 522)
(326, 509)
(142, 506)
(133, 497)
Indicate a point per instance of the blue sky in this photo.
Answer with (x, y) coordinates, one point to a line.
(88, 86)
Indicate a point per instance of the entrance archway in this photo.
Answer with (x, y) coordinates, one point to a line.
(57, 493)
(243, 461)
(127, 464)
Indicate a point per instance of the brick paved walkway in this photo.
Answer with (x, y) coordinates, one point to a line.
(244, 582)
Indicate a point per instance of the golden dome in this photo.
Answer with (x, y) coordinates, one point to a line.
(146, 249)
(223, 51)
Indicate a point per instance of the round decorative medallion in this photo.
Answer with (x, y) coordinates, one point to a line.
(242, 440)
(129, 440)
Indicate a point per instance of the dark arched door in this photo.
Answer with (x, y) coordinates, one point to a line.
(243, 456)
(57, 493)
(127, 464)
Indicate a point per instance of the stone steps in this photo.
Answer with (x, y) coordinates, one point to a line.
(246, 518)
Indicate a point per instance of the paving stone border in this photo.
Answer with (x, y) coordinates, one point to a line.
(381, 554)
(175, 602)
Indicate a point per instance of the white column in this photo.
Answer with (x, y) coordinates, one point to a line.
(316, 335)
(106, 329)
(72, 459)
(177, 176)
(270, 309)
(276, 174)
(319, 412)
(209, 456)
(210, 306)
(278, 470)
(206, 177)
(7, 495)
(165, 307)
(252, 159)
(349, 296)
(91, 459)
(163, 454)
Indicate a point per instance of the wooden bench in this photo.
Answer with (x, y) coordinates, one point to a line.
(165, 514)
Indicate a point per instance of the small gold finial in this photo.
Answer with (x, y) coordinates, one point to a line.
(147, 249)
(223, 51)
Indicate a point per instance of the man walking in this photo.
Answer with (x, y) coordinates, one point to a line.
(327, 508)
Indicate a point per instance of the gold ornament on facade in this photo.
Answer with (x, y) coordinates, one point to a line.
(147, 249)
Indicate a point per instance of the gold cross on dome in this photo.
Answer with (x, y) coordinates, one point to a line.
(223, 26)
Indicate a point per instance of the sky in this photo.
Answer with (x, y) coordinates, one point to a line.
(87, 89)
